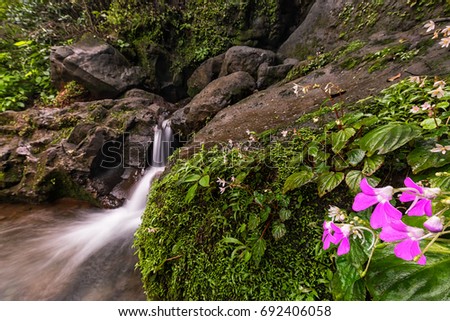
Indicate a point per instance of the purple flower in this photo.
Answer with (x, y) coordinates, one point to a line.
(333, 234)
(408, 249)
(384, 212)
(420, 196)
(434, 224)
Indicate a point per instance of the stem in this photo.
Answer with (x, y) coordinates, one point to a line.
(363, 274)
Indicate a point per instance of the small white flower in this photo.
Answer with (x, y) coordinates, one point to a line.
(426, 106)
(415, 79)
(445, 42)
(414, 109)
(446, 31)
(248, 132)
(440, 149)
(222, 189)
(295, 88)
(438, 92)
(221, 182)
(284, 133)
(430, 25)
(439, 83)
(315, 119)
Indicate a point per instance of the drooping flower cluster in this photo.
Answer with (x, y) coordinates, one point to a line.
(388, 218)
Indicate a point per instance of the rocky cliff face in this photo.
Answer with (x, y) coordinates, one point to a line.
(94, 149)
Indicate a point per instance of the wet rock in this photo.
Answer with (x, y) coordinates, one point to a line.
(248, 59)
(204, 74)
(219, 94)
(96, 65)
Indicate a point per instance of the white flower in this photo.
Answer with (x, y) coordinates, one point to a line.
(446, 31)
(438, 92)
(430, 26)
(440, 149)
(315, 119)
(248, 132)
(222, 189)
(445, 42)
(415, 79)
(415, 109)
(221, 182)
(295, 88)
(284, 133)
(426, 106)
(439, 83)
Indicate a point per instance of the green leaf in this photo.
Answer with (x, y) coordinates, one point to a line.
(366, 121)
(278, 230)
(430, 123)
(285, 214)
(258, 250)
(340, 139)
(231, 240)
(191, 193)
(297, 179)
(329, 181)
(339, 163)
(391, 278)
(253, 221)
(442, 104)
(191, 178)
(247, 255)
(421, 158)
(387, 138)
(353, 178)
(372, 164)
(355, 156)
(204, 181)
(347, 283)
(443, 182)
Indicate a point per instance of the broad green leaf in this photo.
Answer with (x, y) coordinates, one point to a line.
(23, 43)
(204, 181)
(329, 181)
(387, 138)
(285, 214)
(443, 182)
(258, 250)
(355, 156)
(191, 178)
(430, 123)
(366, 121)
(340, 139)
(247, 255)
(297, 179)
(442, 104)
(372, 164)
(339, 164)
(191, 193)
(265, 213)
(391, 278)
(353, 178)
(422, 158)
(253, 221)
(347, 284)
(278, 230)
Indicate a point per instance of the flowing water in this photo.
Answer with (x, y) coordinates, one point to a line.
(69, 251)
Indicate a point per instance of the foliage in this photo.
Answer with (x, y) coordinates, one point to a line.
(236, 237)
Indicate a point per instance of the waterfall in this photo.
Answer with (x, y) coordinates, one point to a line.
(57, 254)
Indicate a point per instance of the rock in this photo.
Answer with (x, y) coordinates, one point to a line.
(268, 75)
(96, 65)
(248, 59)
(219, 94)
(204, 74)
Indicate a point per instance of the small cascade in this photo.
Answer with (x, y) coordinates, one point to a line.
(54, 260)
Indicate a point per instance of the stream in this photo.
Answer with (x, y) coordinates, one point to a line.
(68, 250)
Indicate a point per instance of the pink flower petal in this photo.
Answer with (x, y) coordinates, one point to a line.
(393, 233)
(411, 184)
(392, 213)
(363, 201)
(366, 188)
(420, 208)
(344, 247)
(384, 214)
(407, 196)
(406, 250)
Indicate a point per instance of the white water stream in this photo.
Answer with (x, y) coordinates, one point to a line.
(70, 252)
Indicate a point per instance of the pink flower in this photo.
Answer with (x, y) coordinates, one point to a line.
(426, 106)
(414, 109)
(333, 234)
(434, 224)
(438, 92)
(445, 42)
(384, 212)
(420, 196)
(408, 249)
(430, 25)
(440, 149)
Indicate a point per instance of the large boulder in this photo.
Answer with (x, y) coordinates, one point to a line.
(204, 74)
(219, 94)
(248, 59)
(96, 65)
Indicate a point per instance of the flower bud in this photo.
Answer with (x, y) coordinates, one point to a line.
(434, 224)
